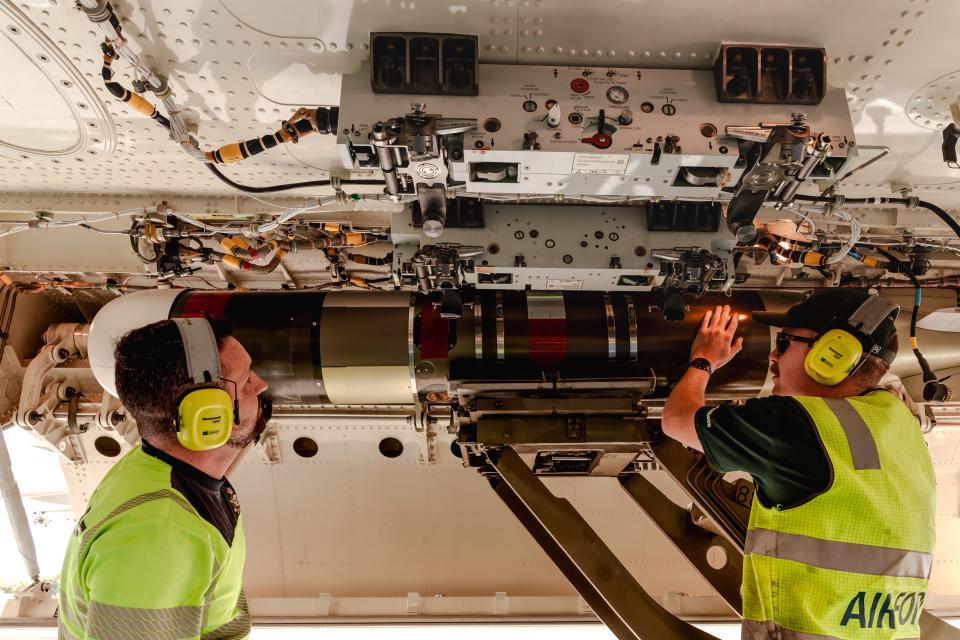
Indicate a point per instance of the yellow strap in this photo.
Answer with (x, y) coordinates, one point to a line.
(139, 103)
(232, 261)
(230, 153)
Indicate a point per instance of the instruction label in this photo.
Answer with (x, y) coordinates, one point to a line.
(564, 284)
(600, 163)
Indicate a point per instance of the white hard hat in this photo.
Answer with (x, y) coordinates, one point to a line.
(116, 318)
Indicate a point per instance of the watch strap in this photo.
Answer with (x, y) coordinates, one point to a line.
(701, 363)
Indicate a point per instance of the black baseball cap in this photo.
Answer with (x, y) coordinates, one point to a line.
(821, 309)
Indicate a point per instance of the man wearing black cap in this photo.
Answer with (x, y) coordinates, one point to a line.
(841, 529)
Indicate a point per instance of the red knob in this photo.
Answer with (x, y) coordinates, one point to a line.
(599, 140)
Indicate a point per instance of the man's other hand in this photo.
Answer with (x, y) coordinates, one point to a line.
(715, 341)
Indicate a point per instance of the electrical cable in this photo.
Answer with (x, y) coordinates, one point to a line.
(284, 187)
(46, 223)
(910, 202)
(846, 247)
(207, 282)
(933, 389)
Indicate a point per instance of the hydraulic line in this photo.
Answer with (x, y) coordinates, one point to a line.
(245, 265)
(237, 246)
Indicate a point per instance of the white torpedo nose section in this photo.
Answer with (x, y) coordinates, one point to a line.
(116, 318)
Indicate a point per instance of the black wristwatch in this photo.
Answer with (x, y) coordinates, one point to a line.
(701, 363)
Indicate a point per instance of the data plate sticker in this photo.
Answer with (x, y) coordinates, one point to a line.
(600, 163)
(564, 284)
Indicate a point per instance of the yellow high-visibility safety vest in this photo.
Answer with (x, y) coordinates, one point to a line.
(142, 563)
(852, 562)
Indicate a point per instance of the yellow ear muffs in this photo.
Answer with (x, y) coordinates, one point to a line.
(205, 419)
(833, 356)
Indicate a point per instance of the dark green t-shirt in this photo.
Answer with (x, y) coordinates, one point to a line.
(774, 440)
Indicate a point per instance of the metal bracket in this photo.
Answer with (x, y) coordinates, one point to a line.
(596, 573)
(717, 560)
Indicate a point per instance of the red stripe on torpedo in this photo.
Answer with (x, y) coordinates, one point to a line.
(200, 303)
(548, 339)
(434, 333)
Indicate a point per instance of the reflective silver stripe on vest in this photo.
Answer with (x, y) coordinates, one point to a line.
(768, 630)
(863, 449)
(236, 629)
(110, 622)
(64, 633)
(839, 556)
(63, 630)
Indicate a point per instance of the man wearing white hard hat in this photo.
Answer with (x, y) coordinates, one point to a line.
(159, 552)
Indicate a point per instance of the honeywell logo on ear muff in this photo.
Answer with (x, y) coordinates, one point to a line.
(205, 416)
